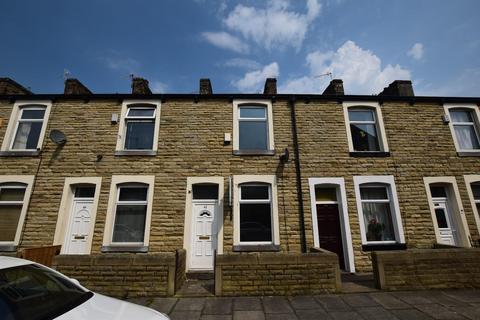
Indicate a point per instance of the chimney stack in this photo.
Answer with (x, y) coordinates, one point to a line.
(398, 88)
(9, 86)
(75, 87)
(270, 86)
(335, 88)
(140, 86)
(205, 86)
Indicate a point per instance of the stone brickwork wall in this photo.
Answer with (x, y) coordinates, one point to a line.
(427, 269)
(420, 144)
(180, 268)
(276, 274)
(121, 275)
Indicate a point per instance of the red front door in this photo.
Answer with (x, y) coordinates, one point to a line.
(329, 234)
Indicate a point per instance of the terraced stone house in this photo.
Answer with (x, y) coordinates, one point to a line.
(143, 173)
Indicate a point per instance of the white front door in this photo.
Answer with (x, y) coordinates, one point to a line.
(78, 235)
(204, 237)
(446, 227)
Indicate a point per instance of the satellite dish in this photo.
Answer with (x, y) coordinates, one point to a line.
(58, 137)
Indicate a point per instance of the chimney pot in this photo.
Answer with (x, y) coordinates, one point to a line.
(399, 88)
(75, 87)
(205, 86)
(9, 86)
(335, 88)
(140, 86)
(270, 86)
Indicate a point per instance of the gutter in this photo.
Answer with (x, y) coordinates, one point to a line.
(298, 173)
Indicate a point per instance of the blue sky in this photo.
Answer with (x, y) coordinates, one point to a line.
(237, 44)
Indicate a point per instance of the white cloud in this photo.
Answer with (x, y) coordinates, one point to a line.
(116, 61)
(253, 80)
(360, 69)
(466, 84)
(242, 63)
(158, 86)
(416, 52)
(225, 40)
(275, 26)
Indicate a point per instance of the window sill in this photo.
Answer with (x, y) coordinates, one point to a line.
(136, 153)
(468, 153)
(374, 154)
(8, 248)
(20, 153)
(384, 247)
(124, 249)
(257, 247)
(253, 152)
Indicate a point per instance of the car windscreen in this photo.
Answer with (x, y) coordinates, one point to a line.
(32, 292)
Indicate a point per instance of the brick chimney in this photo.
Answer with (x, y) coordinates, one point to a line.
(140, 86)
(270, 86)
(398, 88)
(335, 88)
(75, 87)
(205, 86)
(9, 86)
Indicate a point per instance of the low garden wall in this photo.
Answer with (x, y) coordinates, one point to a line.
(427, 269)
(180, 268)
(122, 274)
(276, 273)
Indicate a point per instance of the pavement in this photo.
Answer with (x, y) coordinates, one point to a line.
(408, 305)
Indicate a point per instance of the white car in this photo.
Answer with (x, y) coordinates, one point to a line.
(31, 291)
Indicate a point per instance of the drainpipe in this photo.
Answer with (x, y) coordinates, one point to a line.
(298, 172)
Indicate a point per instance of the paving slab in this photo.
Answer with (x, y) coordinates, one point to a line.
(276, 305)
(410, 314)
(413, 297)
(345, 315)
(164, 305)
(444, 299)
(437, 311)
(250, 315)
(189, 304)
(185, 315)
(375, 313)
(304, 302)
(470, 296)
(359, 300)
(333, 303)
(388, 301)
(312, 314)
(218, 306)
(247, 304)
(143, 301)
(216, 317)
(281, 316)
(470, 312)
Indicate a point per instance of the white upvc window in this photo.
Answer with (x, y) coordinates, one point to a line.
(14, 198)
(364, 126)
(27, 126)
(473, 190)
(255, 211)
(378, 210)
(253, 126)
(139, 126)
(129, 212)
(464, 125)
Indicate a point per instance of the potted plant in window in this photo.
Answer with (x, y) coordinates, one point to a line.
(375, 230)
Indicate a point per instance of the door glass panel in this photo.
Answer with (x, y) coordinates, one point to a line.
(325, 194)
(253, 135)
(9, 217)
(254, 193)
(441, 218)
(84, 192)
(255, 222)
(205, 191)
(378, 221)
(438, 192)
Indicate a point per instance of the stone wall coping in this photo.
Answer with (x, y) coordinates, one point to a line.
(266, 258)
(165, 258)
(423, 254)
